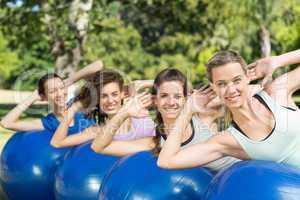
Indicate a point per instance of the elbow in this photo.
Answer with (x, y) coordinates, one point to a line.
(56, 144)
(99, 65)
(5, 125)
(96, 148)
(163, 163)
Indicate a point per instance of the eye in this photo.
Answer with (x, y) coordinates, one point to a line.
(221, 84)
(237, 81)
(103, 96)
(177, 96)
(163, 95)
(115, 94)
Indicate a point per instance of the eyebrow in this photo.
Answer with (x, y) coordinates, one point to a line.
(222, 81)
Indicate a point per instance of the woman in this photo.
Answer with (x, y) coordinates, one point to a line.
(105, 92)
(53, 89)
(261, 128)
(170, 92)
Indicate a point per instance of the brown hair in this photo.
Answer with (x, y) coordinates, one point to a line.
(90, 93)
(169, 74)
(42, 81)
(223, 58)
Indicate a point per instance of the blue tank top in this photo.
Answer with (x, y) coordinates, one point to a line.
(81, 122)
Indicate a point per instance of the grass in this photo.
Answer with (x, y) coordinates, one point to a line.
(4, 137)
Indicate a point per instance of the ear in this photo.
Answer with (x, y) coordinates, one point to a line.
(213, 86)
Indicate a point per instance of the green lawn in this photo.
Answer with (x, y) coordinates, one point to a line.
(4, 136)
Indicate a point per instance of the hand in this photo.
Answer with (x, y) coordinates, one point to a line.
(137, 105)
(36, 96)
(262, 68)
(199, 100)
(135, 86)
(76, 107)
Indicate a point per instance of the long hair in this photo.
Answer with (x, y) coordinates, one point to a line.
(169, 74)
(223, 58)
(90, 93)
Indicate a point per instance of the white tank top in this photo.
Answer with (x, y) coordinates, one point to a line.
(283, 144)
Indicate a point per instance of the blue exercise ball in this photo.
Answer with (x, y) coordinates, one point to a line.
(28, 164)
(253, 180)
(139, 177)
(81, 174)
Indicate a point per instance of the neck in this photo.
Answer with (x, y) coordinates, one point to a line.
(59, 112)
(168, 125)
(243, 113)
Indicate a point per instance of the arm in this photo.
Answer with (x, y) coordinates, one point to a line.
(61, 139)
(11, 119)
(85, 72)
(135, 86)
(264, 68)
(124, 148)
(173, 156)
(135, 107)
(283, 87)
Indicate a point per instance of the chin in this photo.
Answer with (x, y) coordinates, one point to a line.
(234, 105)
(171, 115)
(111, 112)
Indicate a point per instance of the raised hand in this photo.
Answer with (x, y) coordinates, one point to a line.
(135, 86)
(198, 101)
(262, 68)
(137, 105)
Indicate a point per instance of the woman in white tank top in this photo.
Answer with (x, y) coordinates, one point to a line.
(261, 127)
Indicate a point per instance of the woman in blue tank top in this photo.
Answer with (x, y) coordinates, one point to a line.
(53, 89)
(261, 128)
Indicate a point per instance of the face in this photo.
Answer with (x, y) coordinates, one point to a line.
(56, 92)
(170, 99)
(231, 84)
(111, 98)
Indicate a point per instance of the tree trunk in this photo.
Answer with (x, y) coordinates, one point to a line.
(67, 61)
(265, 42)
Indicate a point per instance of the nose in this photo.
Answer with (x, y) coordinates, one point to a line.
(110, 99)
(171, 101)
(231, 89)
(61, 92)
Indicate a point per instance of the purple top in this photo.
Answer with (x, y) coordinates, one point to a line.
(140, 128)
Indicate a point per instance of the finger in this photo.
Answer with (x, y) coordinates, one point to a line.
(139, 95)
(204, 87)
(147, 103)
(145, 98)
(252, 65)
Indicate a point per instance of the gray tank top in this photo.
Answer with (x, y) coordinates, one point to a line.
(283, 145)
(201, 133)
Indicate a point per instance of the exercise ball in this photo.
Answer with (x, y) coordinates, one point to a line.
(28, 164)
(80, 175)
(252, 180)
(138, 177)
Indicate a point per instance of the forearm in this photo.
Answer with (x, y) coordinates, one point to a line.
(107, 132)
(124, 148)
(289, 58)
(10, 118)
(76, 139)
(85, 72)
(192, 156)
(173, 143)
(61, 132)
